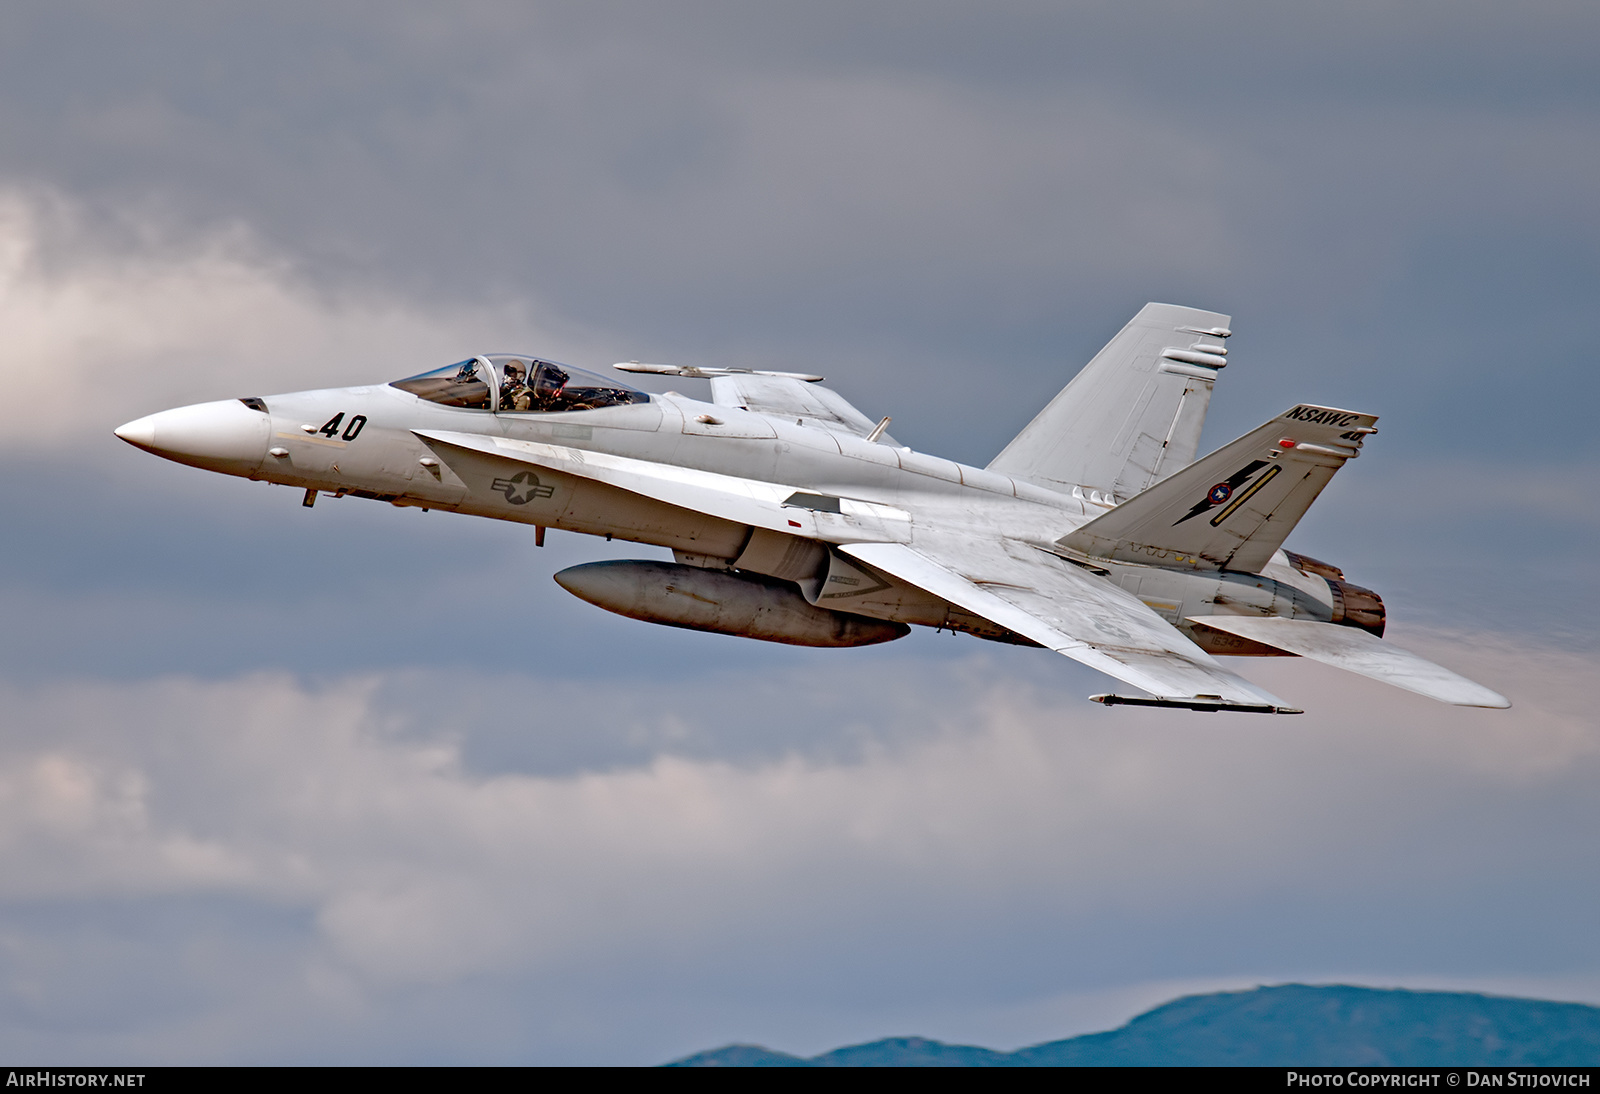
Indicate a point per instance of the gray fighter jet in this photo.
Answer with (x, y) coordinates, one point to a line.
(794, 518)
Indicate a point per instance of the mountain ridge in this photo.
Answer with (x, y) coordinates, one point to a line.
(1283, 1025)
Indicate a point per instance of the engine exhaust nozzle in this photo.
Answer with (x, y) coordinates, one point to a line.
(1354, 606)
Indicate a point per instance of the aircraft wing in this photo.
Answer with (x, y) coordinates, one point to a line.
(1072, 611)
(768, 505)
(1355, 650)
(789, 397)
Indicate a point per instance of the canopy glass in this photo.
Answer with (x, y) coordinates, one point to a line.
(520, 384)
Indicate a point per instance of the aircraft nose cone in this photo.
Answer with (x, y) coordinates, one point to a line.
(140, 432)
(224, 436)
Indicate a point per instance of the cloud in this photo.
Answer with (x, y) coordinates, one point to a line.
(994, 816)
(111, 333)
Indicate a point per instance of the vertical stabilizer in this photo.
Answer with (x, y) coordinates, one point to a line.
(1133, 415)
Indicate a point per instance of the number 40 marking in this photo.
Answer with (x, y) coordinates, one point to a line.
(351, 431)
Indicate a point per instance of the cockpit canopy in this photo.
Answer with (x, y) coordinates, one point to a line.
(520, 384)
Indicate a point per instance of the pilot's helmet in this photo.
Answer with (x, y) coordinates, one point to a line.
(551, 377)
(514, 369)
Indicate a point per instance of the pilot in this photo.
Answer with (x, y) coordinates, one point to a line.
(548, 380)
(514, 392)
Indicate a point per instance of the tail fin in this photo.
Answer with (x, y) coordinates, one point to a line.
(1234, 508)
(1133, 415)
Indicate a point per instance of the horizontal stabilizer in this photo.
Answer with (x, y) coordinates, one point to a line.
(1360, 652)
(1233, 509)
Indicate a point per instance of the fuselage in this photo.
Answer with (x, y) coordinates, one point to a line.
(372, 442)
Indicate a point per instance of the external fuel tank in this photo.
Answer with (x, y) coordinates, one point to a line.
(721, 601)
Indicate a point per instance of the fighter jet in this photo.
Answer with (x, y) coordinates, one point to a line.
(792, 517)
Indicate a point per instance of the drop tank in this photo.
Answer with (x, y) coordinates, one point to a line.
(720, 601)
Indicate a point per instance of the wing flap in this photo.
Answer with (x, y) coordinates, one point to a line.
(1360, 652)
(1071, 611)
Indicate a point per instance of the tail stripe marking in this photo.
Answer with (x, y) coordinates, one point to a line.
(1244, 497)
(1235, 480)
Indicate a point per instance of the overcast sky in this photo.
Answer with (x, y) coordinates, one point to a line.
(278, 785)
